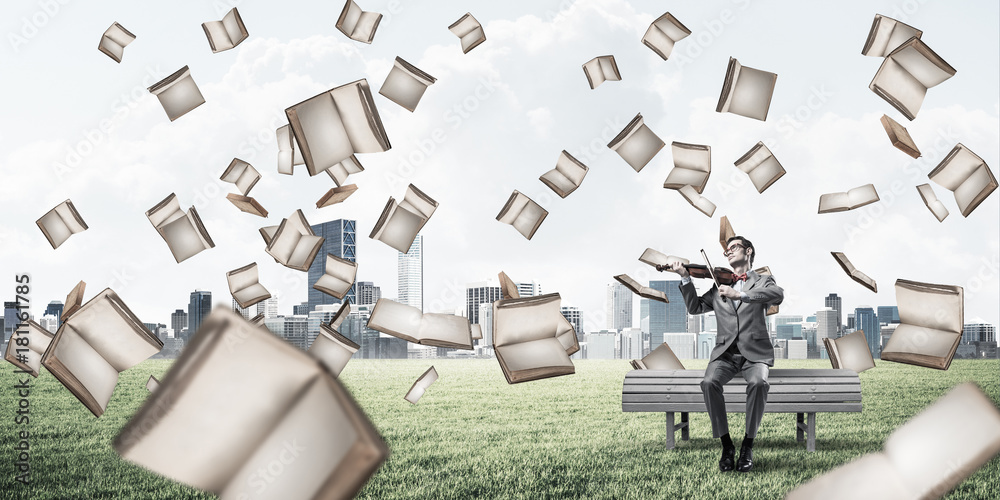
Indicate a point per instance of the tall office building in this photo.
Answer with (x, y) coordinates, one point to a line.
(684, 345)
(367, 293)
(826, 327)
(483, 292)
(486, 325)
(268, 307)
(833, 301)
(706, 344)
(887, 315)
(601, 345)
(410, 275)
(850, 322)
(9, 319)
(978, 330)
(797, 349)
(55, 308)
(293, 328)
(246, 313)
(199, 307)
(178, 322)
(618, 307)
(631, 343)
(644, 315)
(339, 240)
(572, 314)
(694, 323)
(666, 317)
(301, 309)
(49, 322)
(866, 319)
(788, 331)
(529, 289)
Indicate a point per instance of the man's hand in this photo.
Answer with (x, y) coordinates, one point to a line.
(674, 267)
(728, 292)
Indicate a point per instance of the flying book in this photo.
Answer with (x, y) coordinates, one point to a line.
(332, 349)
(746, 91)
(336, 195)
(241, 174)
(692, 166)
(288, 150)
(26, 347)
(152, 384)
(532, 339)
(887, 34)
(522, 213)
(655, 258)
(725, 232)
(850, 351)
(227, 33)
(663, 33)
(257, 320)
(358, 24)
(967, 175)
(772, 309)
(340, 315)
(74, 300)
(697, 200)
(636, 143)
(567, 176)
(931, 319)
(508, 289)
(854, 198)
(410, 324)
(853, 272)
(342, 170)
(601, 69)
(114, 40)
(469, 31)
(924, 458)
(60, 223)
(293, 244)
(933, 204)
(400, 222)
(405, 84)
(899, 137)
(245, 287)
(331, 127)
(761, 165)
(477, 332)
(267, 233)
(183, 231)
(420, 385)
(661, 358)
(641, 290)
(247, 204)
(100, 340)
(239, 399)
(177, 93)
(338, 276)
(906, 74)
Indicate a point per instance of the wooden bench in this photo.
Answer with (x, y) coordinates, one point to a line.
(803, 392)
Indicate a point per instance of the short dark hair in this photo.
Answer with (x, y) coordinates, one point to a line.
(746, 243)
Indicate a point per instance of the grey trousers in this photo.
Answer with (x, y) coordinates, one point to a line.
(721, 371)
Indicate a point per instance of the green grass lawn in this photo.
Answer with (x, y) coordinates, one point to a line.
(472, 435)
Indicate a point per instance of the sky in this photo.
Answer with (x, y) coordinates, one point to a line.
(80, 126)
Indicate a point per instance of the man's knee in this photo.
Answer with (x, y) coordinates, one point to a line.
(710, 384)
(757, 383)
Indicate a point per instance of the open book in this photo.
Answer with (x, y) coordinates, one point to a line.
(567, 176)
(400, 222)
(227, 33)
(336, 195)
(640, 289)
(933, 204)
(332, 126)
(245, 287)
(342, 170)
(508, 288)
(899, 137)
(358, 24)
(853, 198)
(241, 174)
(746, 91)
(410, 324)
(601, 69)
(692, 166)
(332, 349)
(477, 332)
(522, 213)
(655, 258)
(725, 232)
(114, 40)
(887, 34)
(338, 276)
(761, 165)
(420, 385)
(289, 154)
(74, 300)
(906, 74)
(850, 351)
(177, 93)
(772, 309)
(967, 175)
(931, 320)
(697, 200)
(340, 315)
(661, 358)
(468, 29)
(924, 458)
(405, 84)
(152, 383)
(532, 339)
(663, 33)
(853, 272)
(183, 231)
(239, 400)
(97, 342)
(293, 244)
(636, 143)
(60, 223)
(247, 204)
(26, 347)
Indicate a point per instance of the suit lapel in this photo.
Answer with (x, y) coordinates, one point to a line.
(752, 279)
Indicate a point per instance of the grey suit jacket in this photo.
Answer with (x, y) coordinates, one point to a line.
(746, 323)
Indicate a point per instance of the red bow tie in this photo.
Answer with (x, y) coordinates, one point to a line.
(738, 277)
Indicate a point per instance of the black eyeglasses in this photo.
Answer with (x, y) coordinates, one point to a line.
(732, 249)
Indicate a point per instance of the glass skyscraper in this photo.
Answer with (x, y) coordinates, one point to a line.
(339, 240)
(199, 307)
(866, 319)
(664, 318)
(410, 274)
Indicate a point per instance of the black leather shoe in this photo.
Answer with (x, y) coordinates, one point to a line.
(726, 462)
(745, 463)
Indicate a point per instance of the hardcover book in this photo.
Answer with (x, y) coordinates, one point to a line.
(245, 287)
(967, 175)
(400, 222)
(567, 176)
(508, 289)
(60, 223)
(899, 137)
(26, 347)
(469, 31)
(114, 40)
(405, 84)
(697, 200)
(906, 74)
(421, 385)
(177, 93)
(853, 198)
(410, 324)
(725, 232)
(241, 174)
(661, 358)
(532, 339)
(358, 24)
(746, 91)
(887, 34)
(183, 232)
(332, 349)
(247, 204)
(850, 351)
(692, 166)
(933, 203)
(227, 33)
(336, 195)
(853, 272)
(338, 276)
(656, 258)
(761, 165)
(772, 309)
(636, 144)
(342, 170)
(640, 289)
(74, 300)
(601, 69)
(663, 34)
(931, 319)
(522, 213)
(289, 154)
(293, 244)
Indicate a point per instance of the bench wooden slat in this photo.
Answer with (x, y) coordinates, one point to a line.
(741, 407)
(785, 372)
(741, 398)
(780, 389)
(738, 380)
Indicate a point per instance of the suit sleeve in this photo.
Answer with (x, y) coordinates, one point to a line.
(694, 303)
(770, 293)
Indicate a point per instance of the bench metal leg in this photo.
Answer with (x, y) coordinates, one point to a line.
(811, 432)
(799, 424)
(685, 435)
(670, 430)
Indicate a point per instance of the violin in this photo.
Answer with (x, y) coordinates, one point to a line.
(723, 275)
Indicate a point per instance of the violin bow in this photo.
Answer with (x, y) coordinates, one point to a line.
(711, 271)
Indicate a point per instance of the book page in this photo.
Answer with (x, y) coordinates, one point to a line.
(120, 340)
(234, 27)
(766, 173)
(671, 27)
(218, 36)
(932, 306)
(926, 70)
(349, 18)
(418, 202)
(390, 316)
(655, 258)
(472, 39)
(183, 238)
(566, 335)
(446, 328)
(639, 148)
(243, 277)
(692, 156)
(364, 30)
(87, 365)
(351, 103)
(871, 476)
(542, 353)
(853, 352)
(679, 177)
(528, 219)
(324, 140)
(895, 81)
(912, 339)
(751, 95)
(834, 202)
(975, 189)
(525, 319)
(333, 354)
(54, 228)
(251, 294)
(400, 229)
(403, 87)
(595, 73)
(465, 25)
(955, 168)
(656, 39)
(305, 250)
(515, 204)
(165, 211)
(178, 96)
(558, 182)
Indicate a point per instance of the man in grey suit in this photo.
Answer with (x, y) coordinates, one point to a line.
(742, 346)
